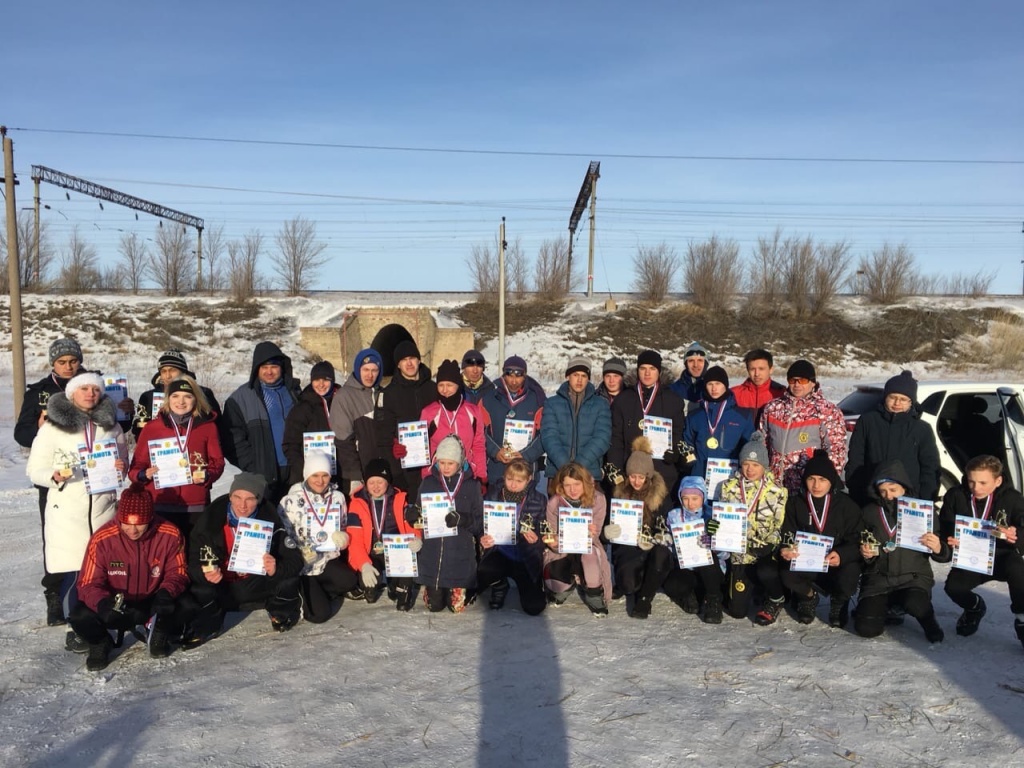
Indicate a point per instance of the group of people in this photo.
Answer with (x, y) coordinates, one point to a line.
(598, 484)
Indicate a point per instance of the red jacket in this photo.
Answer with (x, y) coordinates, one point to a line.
(114, 563)
(360, 527)
(202, 440)
(753, 398)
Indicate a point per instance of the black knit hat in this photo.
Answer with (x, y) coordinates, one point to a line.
(821, 465)
(322, 370)
(649, 357)
(903, 384)
(801, 369)
(473, 357)
(449, 371)
(180, 385)
(717, 373)
(172, 358)
(406, 349)
(377, 468)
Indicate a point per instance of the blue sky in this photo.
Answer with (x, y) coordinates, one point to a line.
(872, 80)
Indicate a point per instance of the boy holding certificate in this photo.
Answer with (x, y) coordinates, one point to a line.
(895, 573)
(717, 429)
(681, 584)
(522, 560)
(985, 506)
(829, 523)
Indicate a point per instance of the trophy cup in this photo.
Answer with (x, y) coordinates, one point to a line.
(1000, 526)
(663, 535)
(507, 451)
(141, 416)
(789, 542)
(526, 524)
(420, 522)
(644, 539)
(199, 471)
(867, 539)
(546, 534)
(207, 558)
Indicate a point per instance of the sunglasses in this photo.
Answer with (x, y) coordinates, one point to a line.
(800, 380)
(477, 363)
(514, 372)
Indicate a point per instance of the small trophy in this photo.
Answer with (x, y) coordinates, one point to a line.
(546, 534)
(1001, 524)
(663, 535)
(526, 524)
(198, 468)
(507, 451)
(65, 462)
(789, 542)
(420, 522)
(141, 416)
(867, 539)
(44, 399)
(207, 558)
(644, 539)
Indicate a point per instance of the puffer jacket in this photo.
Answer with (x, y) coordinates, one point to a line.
(352, 419)
(794, 427)
(497, 407)
(582, 437)
(450, 561)
(732, 431)
(361, 525)
(880, 436)
(294, 511)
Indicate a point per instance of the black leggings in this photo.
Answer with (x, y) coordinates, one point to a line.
(495, 567)
(319, 591)
(870, 618)
(1008, 567)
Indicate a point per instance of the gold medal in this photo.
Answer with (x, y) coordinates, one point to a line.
(91, 463)
(642, 424)
(378, 548)
(182, 462)
(712, 443)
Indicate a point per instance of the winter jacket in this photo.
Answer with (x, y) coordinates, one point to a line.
(400, 401)
(146, 401)
(246, 436)
(363, 530)
(202, 439)
(72, 515)
(295, 510)
(957, 501)
(688, 388)
(901, 568)
(475, 394)
(628, 413)
(582, 437)
(795, 427)
(497, 406)
(534, 507)
(310, 414)
(751, 398)
(765, 513)
(35, 402)
(450, 561)
(208, 538)
(880, 436)
(352, 420)
(732, 431)
(468, 424)
(600, 512)
(843, 524)
(115, 564)
(654, 495)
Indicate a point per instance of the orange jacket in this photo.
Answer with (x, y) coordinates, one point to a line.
(360, 524)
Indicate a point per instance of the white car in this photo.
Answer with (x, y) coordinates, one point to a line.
(968, 417)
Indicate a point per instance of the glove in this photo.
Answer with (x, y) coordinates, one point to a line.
(759, 551)
(613, 473)
(412, 514)
(670, 457)
(340, 539)
(369, 575)
(398, 450)
(123, 619)
(612, 531)
(452, 519)
(712, 526)
(416, 545)
(163, 603)
(645, 544)
(309, 555)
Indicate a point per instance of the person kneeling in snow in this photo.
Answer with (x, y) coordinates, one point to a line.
(134, 568)
(218, 589)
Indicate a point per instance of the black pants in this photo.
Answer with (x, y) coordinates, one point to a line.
(839, 583)
(319, 591)
(743, 578)
(682, 582)
(51, 581)
(495, 567)
(88, 624)
(183, 521)
(280, 597)
(870, 618)
(1008, 567)
(641, 572)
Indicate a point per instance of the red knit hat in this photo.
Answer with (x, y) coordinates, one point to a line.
(135, 507)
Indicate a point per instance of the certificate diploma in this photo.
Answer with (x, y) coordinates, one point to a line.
(976, 549)
(717, 472)
(518, 434)
(399, 561)
(658, 430)
(414, 436)
(252, 542)
(322, 442)
(116, 387)
(322, 521)
(913, 520)
(629, 515)
(158, 400)
(100, 473)
(812, 549)
(435, 507)
(500, 521)
(574, 530)
(687, 538)
(731, 535)
(170, 463)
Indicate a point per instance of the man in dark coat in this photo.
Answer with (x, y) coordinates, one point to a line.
(169, 366)
(475, 385)
(352, 417)
(516, 396)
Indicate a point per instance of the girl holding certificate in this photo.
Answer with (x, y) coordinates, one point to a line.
(447, 561)
(183, 439)
(830, 522)
(895, 574)
(681, 583)
(641, 568)
(522, 561)
(315, 516)
(573, 495)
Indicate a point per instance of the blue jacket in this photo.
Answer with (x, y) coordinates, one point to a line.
(496, 404)
(583, 437)
(732, 432)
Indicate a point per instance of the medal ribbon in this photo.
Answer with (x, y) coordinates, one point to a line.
(718, 419)
(890, 532)
(513, 401)
(378, 522)
(650, 403)
(451, 419)
(819, 522)
(90, 436)
(322, 521)
(985, 512)
(452, 493)
(182, 444)
(762, 483)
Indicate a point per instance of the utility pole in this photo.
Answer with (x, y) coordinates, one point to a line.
(199, 259)
(501, 292)
(14, 276)
(35, 249)
(593, 212)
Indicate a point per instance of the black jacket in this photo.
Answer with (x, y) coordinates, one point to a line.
(451, 561)
(308, 415)
(957, 501)
(627, 413)
(880, 436)
(534, 506)
(844, 523)
(36, 396)
(401, 400)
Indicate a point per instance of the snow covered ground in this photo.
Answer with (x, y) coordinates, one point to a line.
(373, 687)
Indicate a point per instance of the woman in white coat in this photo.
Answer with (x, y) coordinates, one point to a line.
(81, 415)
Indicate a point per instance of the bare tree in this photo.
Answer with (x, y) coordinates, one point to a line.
(243, 261)
(133, 260)
(299, 256)
(482, 263)
(517, 270)
(962, 284)
(712, 272)
(798, 272)
(831, 262)
(552, 278)
(171, 262)
(111, 279)
(654, 271)
(887, 274)
(213, 251)
(766, 276)
(78, 272)
(30, 280)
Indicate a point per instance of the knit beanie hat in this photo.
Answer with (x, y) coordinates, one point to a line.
(83, 380)
(180, 384)
(472, 357)
(649, 357)
(515, 363)
(322, 370)
(717, 373)
(641, 460)
(755, 450)
(135, 507)
(62, 347)
(368, 356)
(450, 449)
(614, 365)
(696, 348)
(406, 348)
(801, 369)
(172, 358)
(904, 384)
(449, 370)
(821, 465)
(316, 461)
(377, 468)
(578, 365)
(251, 482)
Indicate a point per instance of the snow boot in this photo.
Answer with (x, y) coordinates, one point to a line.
(931, 628)
(457, 600)
(75, 643)
(969, 620)
(499, 591)
(1018, 627)
(556, 599)
(593, 597)
(159, 641)
(838, 613)
(641, 607)
(54, 610)
(769, 612)
(405, 599)
(806, 609)
(713, 609)
(373, 595)
(282, 623)
(99, 655)
(894, 615)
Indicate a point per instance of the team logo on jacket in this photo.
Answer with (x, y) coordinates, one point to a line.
(116, 564)
(155, 571)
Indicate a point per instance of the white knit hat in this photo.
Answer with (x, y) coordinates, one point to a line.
(83, 380)
(450, 449)
(316, 461)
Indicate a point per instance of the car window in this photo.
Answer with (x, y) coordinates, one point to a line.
(971, 424)
(860, 401)
(932, 402)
